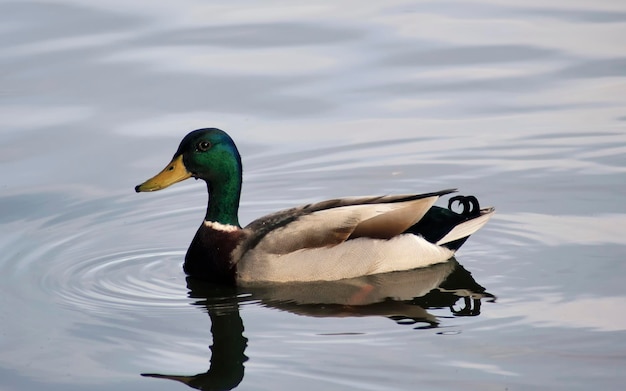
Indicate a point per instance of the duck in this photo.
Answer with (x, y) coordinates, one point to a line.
(324, 241)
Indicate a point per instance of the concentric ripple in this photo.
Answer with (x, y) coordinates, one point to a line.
(100, 266)
(140, 280)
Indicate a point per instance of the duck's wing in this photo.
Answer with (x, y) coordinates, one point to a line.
(332, 222)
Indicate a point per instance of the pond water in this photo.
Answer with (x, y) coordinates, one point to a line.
(519, 103)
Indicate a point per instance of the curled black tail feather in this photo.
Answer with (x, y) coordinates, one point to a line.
(471, 207)
(438, 221)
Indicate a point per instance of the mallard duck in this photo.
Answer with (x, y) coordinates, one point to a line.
(324, 241)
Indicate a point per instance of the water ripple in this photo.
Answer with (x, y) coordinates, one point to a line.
(84, 262)
(138, 281)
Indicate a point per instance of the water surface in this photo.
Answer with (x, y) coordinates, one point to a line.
(519, 103)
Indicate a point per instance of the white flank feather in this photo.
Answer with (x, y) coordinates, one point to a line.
(353, 258)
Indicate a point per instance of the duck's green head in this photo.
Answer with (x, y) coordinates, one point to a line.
(209, 154)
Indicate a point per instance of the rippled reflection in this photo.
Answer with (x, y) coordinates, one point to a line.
(403, 297)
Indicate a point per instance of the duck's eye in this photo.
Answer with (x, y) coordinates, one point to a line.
(203, 146)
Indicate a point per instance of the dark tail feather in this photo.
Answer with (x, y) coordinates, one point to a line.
(450, 227)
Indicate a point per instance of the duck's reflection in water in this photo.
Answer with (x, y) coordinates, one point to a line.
(403, 297)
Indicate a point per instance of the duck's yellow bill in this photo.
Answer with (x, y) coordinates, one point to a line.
(174, 172)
